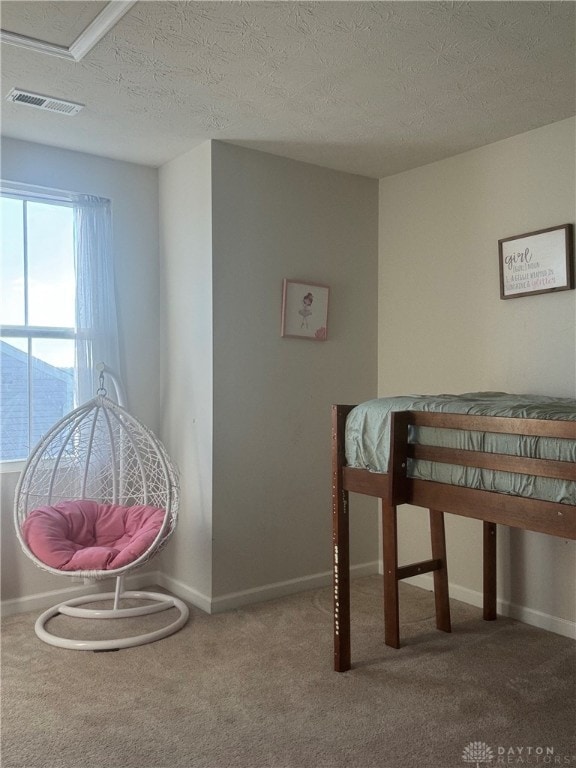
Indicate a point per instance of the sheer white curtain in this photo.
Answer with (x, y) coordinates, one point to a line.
(96, 318)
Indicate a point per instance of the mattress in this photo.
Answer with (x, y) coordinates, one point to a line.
(368, 438)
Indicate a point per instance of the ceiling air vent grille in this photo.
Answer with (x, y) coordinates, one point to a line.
(44, 102)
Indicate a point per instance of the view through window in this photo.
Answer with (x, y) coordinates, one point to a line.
(37, 320)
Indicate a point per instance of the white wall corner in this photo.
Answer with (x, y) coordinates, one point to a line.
(184, 592)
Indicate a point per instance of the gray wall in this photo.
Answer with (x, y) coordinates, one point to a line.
(275, 218)
(253, 445)
(247, 413)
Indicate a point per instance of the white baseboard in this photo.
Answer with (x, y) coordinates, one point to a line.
(283, 588)
(504, 608)
(184, 592)
(43, 600)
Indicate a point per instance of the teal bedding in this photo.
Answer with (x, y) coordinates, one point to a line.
(368, 438)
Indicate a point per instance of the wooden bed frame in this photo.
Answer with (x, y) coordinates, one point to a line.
(395, 488)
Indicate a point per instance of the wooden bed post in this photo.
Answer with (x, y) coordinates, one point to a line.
(399, 493)
(489, 571)
(390, 557)
(441, 596)
(340, 543)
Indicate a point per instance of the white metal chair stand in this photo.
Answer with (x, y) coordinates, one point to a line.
(69, 608)
(100, 453)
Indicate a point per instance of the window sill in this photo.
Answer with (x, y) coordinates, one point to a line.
(7, 467)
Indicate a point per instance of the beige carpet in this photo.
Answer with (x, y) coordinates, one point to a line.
(254, 688)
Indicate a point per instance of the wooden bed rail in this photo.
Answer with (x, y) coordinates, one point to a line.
(395, 487)
(562, 470)
(499, 424)
(549, 517)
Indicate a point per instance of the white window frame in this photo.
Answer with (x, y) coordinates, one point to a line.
(31, 332)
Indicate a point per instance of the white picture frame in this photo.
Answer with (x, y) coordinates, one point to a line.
(304, 310)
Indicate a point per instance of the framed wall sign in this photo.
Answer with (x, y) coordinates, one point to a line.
(304, 310)
(537, 262)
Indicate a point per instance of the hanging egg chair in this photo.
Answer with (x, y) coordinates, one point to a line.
(98, 497)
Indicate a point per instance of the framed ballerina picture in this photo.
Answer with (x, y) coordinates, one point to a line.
(304, 310)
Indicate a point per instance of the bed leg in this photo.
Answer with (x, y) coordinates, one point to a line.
(489, 568)
(341, 555)
(390, 553)
(340, 545)
(441, 596)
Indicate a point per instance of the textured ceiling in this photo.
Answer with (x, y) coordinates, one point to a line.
(368, 87)
(58, 23)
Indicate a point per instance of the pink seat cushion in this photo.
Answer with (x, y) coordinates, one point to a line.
(85, 535)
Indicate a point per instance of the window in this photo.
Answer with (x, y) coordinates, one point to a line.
(37, 319)
(57, 309)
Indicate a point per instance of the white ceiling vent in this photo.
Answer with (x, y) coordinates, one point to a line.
(44, 102)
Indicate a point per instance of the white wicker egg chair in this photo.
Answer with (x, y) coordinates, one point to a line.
(100, 453)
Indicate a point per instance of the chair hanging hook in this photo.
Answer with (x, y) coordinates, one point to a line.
(101, 388)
